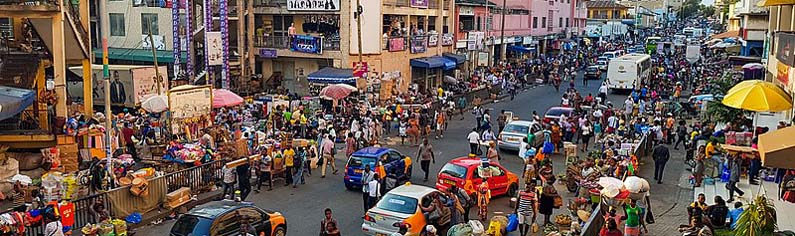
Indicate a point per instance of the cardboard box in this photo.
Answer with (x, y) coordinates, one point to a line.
(179, 193)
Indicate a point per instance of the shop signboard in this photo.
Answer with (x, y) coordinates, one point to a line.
(191, 102)
(313, 5)
(146, 42)
(397, 44)
(475, 40)
(483, 59)
(360, 70)
(418, 44)
(526, 40)
(785, 48)
(307, 44)
(782, 74)
(121, 85)
(267, 53)
(215, 50)
(433, 40)
(419, 3)
(145, 82)
(447, 39)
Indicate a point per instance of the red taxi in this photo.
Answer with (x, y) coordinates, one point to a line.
(467, 173)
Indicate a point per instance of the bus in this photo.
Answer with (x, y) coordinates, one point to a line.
(692, 32)
(628, 71)
(651, 44)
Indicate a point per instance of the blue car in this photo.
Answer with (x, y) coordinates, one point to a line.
(224, 218)
(394, 165)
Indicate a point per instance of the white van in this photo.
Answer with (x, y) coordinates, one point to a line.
(628, 71)
(611, 55)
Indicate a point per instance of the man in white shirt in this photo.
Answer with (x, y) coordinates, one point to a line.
(374, 187)
(603, 92)
(474, 141)
(367, 176)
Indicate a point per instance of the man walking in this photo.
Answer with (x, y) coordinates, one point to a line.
(462, 104)
(367, 176)
(425, 156)
(264, 172)
(328, 156)
(243, 177)
(374, 186)
(474, 141)
(735, 167)
(660, 156)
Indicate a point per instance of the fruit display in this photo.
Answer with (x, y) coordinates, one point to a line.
(564, 220)
(550, 229)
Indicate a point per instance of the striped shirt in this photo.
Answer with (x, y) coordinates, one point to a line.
(526, 202)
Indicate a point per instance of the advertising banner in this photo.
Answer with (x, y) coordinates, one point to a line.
(418, 44)
(419, 3)
(785, 48)
(175, 31)
(267, 53)
(215, 49)
(397, 44)
(121, 86)
(433, 40)
(360, 71)
(145, 82)
(447, 39)
(189, 103)
(225, 46)
(146, 43)
(313, 5)
(307, 44)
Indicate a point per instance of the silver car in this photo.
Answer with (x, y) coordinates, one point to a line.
(401, 206)
(511, 136)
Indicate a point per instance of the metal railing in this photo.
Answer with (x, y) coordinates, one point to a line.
(199, 179)
(74, 12)
(280, 42)
(397, 3)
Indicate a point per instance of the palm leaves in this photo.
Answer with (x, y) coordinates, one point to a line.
(758, 219)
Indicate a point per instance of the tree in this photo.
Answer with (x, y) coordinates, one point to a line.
(758, 218)
(718, 112)
(707, 11)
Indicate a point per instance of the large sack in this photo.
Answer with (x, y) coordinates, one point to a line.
(27, 160)
(8, 170)
(34, 174)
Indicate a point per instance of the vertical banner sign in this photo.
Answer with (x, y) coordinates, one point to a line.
(175, 28)
(225, 40)
(189, 36)
(208, 26)
(105, 71)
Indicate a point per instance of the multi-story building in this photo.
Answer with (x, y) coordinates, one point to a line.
(403, 42)
(752, 21)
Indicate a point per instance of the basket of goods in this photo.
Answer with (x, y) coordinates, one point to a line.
(105, 229)
(90, 229)
(550, 229)
(119, 226)
(563, 220)
(140, 187)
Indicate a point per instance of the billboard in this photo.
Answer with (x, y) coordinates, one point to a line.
(371, 23)
(145, 82)
(191, 102)
(122, 92)
(785, 48)
(313, 5)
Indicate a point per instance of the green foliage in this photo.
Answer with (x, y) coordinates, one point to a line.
(716, 111)
(707, 11)
(759, 218)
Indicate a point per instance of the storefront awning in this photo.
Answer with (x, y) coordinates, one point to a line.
(433, 62)
(777, 148)
(142, 55)
(455, 57)
(14, 100)
(330, 75)
(520, 49)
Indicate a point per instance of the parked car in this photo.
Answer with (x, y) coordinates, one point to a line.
(393, 161)
(553, 113)
(511, 136)
(224, 217)
(467, 173)
(593, 72)
(402, 206)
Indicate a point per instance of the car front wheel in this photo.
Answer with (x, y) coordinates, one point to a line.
(280, 231)
(513, 190)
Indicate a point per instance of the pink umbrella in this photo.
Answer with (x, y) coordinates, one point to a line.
(336, 91)
(225, 98)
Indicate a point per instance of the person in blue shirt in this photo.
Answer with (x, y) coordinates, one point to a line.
(643, 92)
(734, 214)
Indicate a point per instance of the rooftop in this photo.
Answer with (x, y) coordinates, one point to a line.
(604, 4)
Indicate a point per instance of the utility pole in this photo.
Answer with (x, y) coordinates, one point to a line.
(158, 79)
(359, 11)
(104, 28)
(502, 32)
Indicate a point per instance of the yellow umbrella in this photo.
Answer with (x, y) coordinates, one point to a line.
(757, 95)
(767, 3)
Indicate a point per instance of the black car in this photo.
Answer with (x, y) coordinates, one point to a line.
(224, 218)
(592, 72)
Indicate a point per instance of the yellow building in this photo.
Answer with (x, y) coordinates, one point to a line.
(291, 41)
(606, 10)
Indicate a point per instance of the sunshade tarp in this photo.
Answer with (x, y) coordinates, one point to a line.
(433, 62)
(14, 100)
(777, 148)
(455, 57)
(330, 75)
(519, 49)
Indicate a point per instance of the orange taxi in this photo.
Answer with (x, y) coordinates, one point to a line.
(468, 173)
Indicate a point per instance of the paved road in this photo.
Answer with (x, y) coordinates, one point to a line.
(303, 205)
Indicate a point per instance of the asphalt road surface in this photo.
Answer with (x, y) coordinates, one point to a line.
(303, 206)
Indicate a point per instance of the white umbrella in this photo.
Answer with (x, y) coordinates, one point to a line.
(753, 66)
(155, 103)
(23, 179)
(635, 184)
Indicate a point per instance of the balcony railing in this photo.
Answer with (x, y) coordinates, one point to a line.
(270, 3)
(283, 42)
(387, 45)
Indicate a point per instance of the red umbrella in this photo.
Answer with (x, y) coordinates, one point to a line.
(225, 98)
(336, 91)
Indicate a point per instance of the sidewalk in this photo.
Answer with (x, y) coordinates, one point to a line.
(784, 210)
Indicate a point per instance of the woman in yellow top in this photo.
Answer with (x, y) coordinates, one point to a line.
(288, 155)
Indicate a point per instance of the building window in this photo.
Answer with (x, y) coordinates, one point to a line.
(281, 24)
(489, 22)
(478, 24)
(567, 22)
(116, 24)
(535, 22)
(467, 23)
(432, 24)
(560, 21)
(543, 22)
(445, 25)
(149, 23)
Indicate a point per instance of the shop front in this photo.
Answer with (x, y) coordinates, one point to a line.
(427, 72)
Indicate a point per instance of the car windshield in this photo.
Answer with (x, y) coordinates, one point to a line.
(556, 112)
(591, 69)
(358, 161)
(513, 128)
(185, 225)
(397, 203)
(454, 170)
(601, 63)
